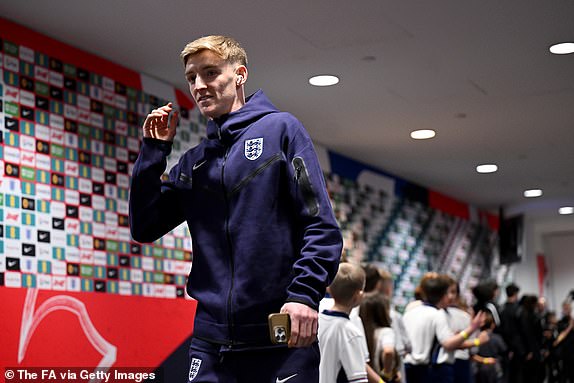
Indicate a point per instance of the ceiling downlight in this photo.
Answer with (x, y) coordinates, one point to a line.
(423, 134)
(486, 168)
(562, 48)
(532, 193)
(324, 80)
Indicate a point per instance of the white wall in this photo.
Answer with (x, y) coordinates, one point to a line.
(547, 236)
(560, 260)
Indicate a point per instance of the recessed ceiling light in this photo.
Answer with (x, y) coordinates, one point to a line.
(566, 210)
(562, 48)
(486, 168)
(531, 193)
(324, 80)
(423, 134)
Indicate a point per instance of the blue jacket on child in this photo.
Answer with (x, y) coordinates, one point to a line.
(262, 227)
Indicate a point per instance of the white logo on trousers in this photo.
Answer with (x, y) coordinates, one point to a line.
(194, 368)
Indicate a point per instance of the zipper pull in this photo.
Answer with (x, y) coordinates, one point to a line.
(298, 167)
(297, 173)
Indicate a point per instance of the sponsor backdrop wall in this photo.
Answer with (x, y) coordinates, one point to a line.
(76, 290)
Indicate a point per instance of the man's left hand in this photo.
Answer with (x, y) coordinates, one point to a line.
(304, 323)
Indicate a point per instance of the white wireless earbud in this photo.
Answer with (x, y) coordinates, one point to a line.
(239, 79)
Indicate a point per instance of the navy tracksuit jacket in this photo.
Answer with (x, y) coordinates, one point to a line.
(261, 223)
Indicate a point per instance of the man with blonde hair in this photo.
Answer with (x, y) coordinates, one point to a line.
(265, 239)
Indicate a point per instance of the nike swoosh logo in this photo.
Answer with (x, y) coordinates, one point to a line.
(195, 166)
(277, 380)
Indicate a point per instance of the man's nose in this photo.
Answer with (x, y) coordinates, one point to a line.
(199, 83)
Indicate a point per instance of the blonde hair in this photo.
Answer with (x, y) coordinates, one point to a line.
(225, 47)
(349, 279)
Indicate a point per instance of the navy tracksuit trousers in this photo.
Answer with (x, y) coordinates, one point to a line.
(213, 363)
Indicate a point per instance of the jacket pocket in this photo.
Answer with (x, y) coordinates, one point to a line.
(260, 169)
(184, 183)
(303, 181)
(185, 180)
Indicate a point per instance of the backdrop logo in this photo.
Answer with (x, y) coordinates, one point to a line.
(32, 316)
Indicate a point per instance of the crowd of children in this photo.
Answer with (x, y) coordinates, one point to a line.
(438, 338)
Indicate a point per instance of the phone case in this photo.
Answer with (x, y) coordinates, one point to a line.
(279, 328)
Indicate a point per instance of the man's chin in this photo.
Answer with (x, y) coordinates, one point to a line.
(210, 113)
(207, 112)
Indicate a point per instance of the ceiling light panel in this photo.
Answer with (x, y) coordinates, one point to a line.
(324, 80)
(532, 193)
(562, 48)
(423, 134)
(486, 168)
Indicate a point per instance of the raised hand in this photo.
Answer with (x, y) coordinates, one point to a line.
(478, 320)
(158, 124)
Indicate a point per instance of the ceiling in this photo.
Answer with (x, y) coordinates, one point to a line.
(477, 72)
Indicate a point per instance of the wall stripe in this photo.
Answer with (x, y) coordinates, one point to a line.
(20, 35)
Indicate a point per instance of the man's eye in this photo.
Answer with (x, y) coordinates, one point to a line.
(211, 73)
(191, 79)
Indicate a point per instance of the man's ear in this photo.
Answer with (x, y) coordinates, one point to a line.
(241, 75)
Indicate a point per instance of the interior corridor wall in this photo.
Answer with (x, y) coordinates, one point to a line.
(560, 260)
(542, 238)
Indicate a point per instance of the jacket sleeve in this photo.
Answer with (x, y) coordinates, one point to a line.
(320, 251)
(152, 204)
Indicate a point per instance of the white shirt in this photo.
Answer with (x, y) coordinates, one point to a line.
(327, 304)
(357, 321)
(341, 346)
(423, 323)
(459, 320)
(402, 342)
(384, 337)
(445, 356)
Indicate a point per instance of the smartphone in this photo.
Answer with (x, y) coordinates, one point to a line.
(279, 328)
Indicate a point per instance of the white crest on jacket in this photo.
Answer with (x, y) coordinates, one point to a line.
(253, 148)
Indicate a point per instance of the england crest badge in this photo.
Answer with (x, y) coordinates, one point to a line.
(253, 148)
(194, 368)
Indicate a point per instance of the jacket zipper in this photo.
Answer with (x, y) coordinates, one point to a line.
(228, 237)
(257, 171)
